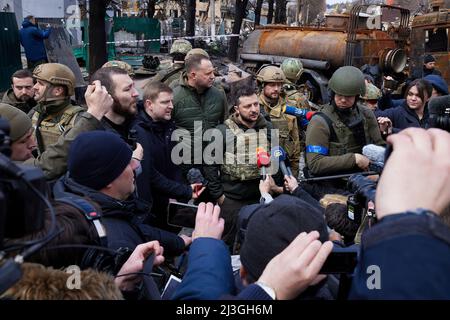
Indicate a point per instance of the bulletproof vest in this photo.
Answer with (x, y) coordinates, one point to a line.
(285, 123)
(344, 140)
(242, 166)
(54, 125)
(294, 97)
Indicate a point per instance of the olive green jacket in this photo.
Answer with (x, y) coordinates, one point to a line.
(53, 161)
(335, 157)
(10, 98)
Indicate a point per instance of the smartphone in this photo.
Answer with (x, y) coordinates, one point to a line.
(181, 214)
(340, 261)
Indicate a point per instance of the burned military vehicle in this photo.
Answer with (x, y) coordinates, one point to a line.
(370, 37)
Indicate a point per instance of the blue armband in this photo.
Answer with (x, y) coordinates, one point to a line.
(317, 149)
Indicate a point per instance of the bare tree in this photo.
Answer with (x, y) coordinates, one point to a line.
(270, 12)
(258, 9)
(310, 9)
(151, 8)
(97, 34)
(190, 17)
(280, 11)
(241, 6)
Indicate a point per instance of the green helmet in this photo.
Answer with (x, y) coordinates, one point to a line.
(270, 74)
(372, 93)
(120, 64)
(347, 81)
(292, 68)
(57, 74)
(180, 46)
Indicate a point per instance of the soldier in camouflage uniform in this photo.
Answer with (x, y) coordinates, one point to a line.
(293, 70)
(54, 114)
(238, 182)
(271, 79)
(335, 136)
(178, 51)
(370, 98)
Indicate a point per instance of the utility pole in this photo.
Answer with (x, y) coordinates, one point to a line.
(212, 7)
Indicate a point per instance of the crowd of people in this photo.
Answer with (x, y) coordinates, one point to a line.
(118, 153)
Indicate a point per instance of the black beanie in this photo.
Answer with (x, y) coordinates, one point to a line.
(428, 58)
(274, 226)
(97, 158)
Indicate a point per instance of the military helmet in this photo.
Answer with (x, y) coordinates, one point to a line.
(196, 51)
(270, 74)
(292, 68)
(180, 46)
(57, 74)
(372, 92)
(120, 64)
(348, 81)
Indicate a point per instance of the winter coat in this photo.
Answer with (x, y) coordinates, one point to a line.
(10, 98)
(209, 275)
(32, 40)
(404, 256)
(123, 219)
(403, 117)
(160, 178)
(208, 109)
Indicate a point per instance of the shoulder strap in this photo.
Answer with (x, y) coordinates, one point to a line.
(89, 212)
(333, 136)
(170, 73)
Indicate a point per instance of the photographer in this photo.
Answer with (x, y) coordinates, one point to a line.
(410, 245)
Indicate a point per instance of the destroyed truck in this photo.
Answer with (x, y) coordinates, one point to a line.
(371, 37)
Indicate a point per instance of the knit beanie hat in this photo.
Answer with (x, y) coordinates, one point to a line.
(97, 158)
(428, 58)
(19, 122)
(274, 226)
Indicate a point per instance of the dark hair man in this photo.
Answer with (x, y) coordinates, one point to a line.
(198, 106)
(21, 94)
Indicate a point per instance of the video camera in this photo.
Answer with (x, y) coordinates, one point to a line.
(363, 190)
(439, 109)
(23, 197)
(21, 207)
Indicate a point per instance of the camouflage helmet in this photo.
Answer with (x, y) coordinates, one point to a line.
(372, 93)
(120, 64)
(196, 51)
(57, 74)
(292, 68)
(347, 81)
(270, 74)
(180, 46)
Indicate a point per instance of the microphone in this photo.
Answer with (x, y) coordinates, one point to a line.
(304, 114)
(279, 154)
(263, 161)
(376, 156)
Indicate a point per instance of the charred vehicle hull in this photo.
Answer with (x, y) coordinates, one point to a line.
(345, 40)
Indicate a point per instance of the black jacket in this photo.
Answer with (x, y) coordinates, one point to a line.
(403, 117)
(160, 178)
(122, 219)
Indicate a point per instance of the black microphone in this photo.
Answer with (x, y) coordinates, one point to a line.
(279, 154)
